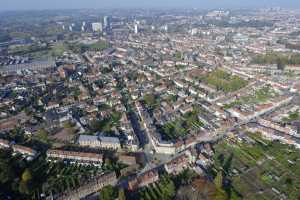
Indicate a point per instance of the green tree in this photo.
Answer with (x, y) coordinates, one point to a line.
(76, 92)
(219, 180)
(280, 64)
(42, 135)
(24, 185)
(107, 193)
(150, 100)
(185, 177)
(23, 188)
(26, 176)
(170, 190)
(6, 173)
(121, 195)
(152, 193)
(147, 195)
(220, 193)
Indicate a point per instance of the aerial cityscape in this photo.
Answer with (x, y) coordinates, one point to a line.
(149, 103)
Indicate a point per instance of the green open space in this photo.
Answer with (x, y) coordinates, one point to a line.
(58, 49)
(81, 48)
(224, 81)
(255, 167)
(259, 96)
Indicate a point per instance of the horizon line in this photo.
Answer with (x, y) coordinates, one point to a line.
(153, 8)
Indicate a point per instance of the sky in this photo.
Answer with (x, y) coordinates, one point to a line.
(98, 4)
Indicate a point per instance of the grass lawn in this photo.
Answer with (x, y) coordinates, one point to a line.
(97, 46)
(224, 81)
(58, 49)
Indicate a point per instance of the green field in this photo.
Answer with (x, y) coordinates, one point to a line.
(81, 48)
(260, 96)
(256, 169)
(223, 81)
(40, 51)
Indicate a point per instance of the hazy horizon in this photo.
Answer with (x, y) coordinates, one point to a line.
(98, 4)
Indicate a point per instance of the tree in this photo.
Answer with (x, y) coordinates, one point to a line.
(42, 135)
(121, 195)
(23, 188)
(26, 176)
(77, 92)
(220, 193)
(150, 101)
(185, 177)
(107, 193)
(6, 173)
(219, 180)
(152, 193)
(280, 64)
(170, 190)
(147, 195)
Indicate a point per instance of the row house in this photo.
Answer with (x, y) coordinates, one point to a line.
(178, 164)
(143, 180)
(75, 156)
(99, 142)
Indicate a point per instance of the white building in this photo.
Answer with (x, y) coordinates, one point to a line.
(99, 142)
(136, 29)
(106, 22)
(75, 156)
(97, 27)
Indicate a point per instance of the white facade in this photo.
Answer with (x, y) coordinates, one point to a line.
(97, 27)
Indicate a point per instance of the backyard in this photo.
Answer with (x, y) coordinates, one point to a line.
(181, 126)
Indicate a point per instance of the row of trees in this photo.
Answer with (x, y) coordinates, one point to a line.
(21, 179)
(276, 58)
(164, 189)
(21, 50)
(251, 23)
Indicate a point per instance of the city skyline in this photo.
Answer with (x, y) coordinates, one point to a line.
(204, 4)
